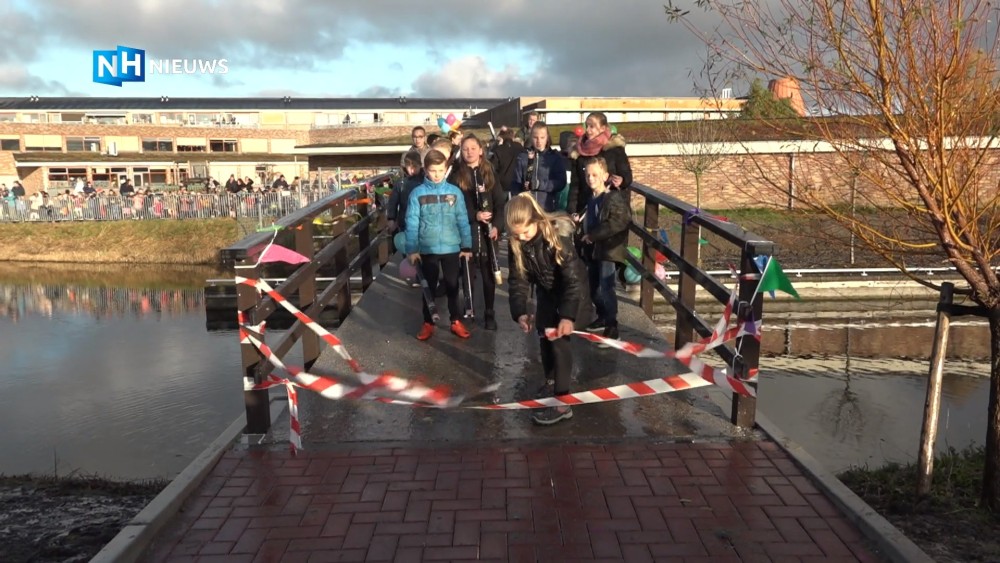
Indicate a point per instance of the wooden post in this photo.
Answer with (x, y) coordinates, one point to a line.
(258, 410)
(744, 410)
(364, 240)
(686, 285)
(651, 222)
(932, 405)
(307, 293)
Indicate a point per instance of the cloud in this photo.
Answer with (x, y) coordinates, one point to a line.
(16, 79)
(378, 92)
(592, 49)
(224, 81)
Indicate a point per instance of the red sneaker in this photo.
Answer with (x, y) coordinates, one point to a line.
(426, 331)
(459, 329)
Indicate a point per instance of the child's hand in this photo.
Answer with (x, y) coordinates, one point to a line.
(465, 254)
(494, 233)
(616, 180)
(484, 216)
(586, 239)
(565, 328)
(414, 258)
(391, 225)
(525, 322)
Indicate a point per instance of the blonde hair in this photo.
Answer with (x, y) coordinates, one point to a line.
(523, 210)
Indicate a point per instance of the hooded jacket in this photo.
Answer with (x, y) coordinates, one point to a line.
(563, 285)
(610, 235)
(436, 220)
(614, 153)
(548, 180)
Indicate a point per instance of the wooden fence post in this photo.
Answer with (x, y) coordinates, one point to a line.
(258, 410)
(744, 409)
(932, 405)
(307, 292)
(364, 240)
(651, 222)
(686, 285)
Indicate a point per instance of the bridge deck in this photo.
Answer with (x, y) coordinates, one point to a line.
(661, 478)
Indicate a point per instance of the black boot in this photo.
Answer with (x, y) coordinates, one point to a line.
(490, 319)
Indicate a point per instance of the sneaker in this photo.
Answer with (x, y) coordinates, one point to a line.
(552, 415)
(425, 331)
(547, 389)
(611, 331)
(596, 326)
(459, 329)
(490, 320)
(413, 283)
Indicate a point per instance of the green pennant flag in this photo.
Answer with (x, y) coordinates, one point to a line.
(774, 279)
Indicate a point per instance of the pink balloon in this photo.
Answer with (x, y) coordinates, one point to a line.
(450, 119)
(407, 270)
(578, 131)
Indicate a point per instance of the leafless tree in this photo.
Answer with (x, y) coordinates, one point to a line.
(905, 94)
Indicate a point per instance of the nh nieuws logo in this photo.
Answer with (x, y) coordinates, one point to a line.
(128, 64)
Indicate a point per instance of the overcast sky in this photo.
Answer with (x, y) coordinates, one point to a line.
(356, 48)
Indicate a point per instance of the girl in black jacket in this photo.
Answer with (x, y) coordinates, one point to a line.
(484, 200)
(542, 254)
(597, 141)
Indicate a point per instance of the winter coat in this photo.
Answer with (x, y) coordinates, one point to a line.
(496, 199)
(436, 222)
(504, 159)
(548, 180)
(618, 164)
(564, 285)
(610, 236)
(400, 197)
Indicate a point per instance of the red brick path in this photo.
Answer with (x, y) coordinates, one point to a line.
(742, 501)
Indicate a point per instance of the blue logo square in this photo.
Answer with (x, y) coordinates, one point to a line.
(124, 64)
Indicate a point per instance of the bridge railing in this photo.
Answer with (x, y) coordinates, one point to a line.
(745, 357)
(347, 248)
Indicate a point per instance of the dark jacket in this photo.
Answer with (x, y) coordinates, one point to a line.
(610, 236)
(547, 181)
(564, 286)
(400, 197)
(504, 159)
(494, 197)
(618, 164)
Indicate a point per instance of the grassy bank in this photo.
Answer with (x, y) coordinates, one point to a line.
(129, 242)
(949, 524)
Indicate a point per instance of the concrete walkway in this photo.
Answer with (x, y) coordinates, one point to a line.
(663, 478)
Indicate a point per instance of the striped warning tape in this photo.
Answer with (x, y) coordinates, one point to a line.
(391, 389)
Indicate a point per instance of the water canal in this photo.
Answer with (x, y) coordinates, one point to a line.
(111, 371)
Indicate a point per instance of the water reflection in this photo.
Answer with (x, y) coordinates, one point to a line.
(110, 371)
(20, 301)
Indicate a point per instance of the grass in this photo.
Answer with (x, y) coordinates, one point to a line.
(130, 242)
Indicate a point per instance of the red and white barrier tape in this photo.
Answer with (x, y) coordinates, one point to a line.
(391, 389)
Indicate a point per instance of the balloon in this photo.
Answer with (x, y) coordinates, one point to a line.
(407, 270)
(635, 252)
(632, 276)
(660, 273)
(578, 131)
(614, 130)
(450, 119)
(400, 241)
(456, 125)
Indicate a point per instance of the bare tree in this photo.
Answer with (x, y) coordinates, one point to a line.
(700, 147)
(907, 91)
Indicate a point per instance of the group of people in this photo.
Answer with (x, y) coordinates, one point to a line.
(565, 215)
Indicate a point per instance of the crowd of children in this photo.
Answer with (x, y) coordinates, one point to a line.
(565, 214)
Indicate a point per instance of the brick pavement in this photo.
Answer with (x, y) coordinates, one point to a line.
(632, 501)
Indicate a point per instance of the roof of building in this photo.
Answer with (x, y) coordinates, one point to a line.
(167, 103)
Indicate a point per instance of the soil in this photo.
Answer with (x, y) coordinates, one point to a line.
(48, 520)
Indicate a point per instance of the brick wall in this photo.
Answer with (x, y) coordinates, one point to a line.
(766, 180)
(355, 134)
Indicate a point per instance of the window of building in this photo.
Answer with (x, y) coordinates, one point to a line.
(142, 118)
(169, 118)
(10, 144)
(222, 145)
(34, 118)
(157, 176)
(71, 117)
(157, 145)
(66, 174)
(83, 144)
(8, 117)
(190, 148)
(41, 148)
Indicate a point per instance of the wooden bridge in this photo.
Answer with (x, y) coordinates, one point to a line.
(683, 475)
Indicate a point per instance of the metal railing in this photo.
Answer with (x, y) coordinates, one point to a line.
(166, 205)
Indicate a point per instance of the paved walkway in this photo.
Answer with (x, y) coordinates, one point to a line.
(632, 501)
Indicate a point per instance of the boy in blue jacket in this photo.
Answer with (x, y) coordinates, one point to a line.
(437, 235)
